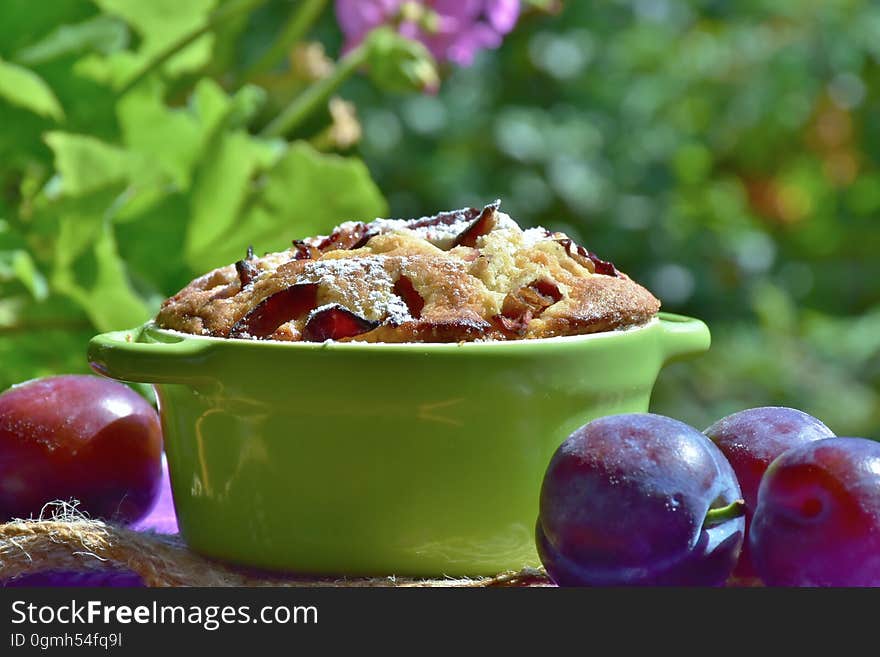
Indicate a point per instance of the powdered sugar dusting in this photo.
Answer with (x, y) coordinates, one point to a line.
(443, 237)
(329, 271)
(531, 236)
(339, 277)
(346, 226)
(392, 306)
(503, 221)
(440, 235)
(440, 232)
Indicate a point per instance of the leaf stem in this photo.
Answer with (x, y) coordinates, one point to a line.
(722, 514)
(293, 32)
(216, 18)
(318, 93)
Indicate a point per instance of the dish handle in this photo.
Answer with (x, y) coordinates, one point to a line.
(682, 336)
(122, 355)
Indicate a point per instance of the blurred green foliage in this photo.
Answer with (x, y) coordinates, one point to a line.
(126, 172)
(724, 154)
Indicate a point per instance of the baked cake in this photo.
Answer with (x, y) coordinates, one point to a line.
(466, 275)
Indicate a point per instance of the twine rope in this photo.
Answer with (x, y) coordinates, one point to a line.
(68, 541)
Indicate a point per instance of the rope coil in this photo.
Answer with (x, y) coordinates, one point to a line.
(67, 541)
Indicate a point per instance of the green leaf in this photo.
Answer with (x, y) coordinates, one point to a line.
(159, 23)
(21, 86)
(221, 186)
(246, 102)
(78, 226)
(11, 309)
(43, 351)
(9, 238)
(96, 278)
(103, 34)
(22, 20)
(18, 265)
(150, 243)
(306, 192)
(209, 104)
(172, 139)
(86, 164)
(169, 142)
(87, 268)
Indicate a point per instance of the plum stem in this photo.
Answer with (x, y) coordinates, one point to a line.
(724, 513)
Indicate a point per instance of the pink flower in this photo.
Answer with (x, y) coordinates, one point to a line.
(453, 30)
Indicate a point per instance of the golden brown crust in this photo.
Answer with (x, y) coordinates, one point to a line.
(460, 276)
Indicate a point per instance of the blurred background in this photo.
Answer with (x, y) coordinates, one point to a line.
(723, 154)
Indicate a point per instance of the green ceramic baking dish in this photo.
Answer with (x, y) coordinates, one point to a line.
(355, 458)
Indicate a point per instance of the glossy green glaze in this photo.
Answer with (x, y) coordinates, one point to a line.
(353, 458)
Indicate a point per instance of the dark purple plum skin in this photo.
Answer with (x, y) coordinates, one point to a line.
(750, 440)
(78, 437)
(817, 522)
(624, 501)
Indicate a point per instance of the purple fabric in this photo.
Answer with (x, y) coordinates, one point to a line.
(464, 27)
(162, 519)
(61, 578)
